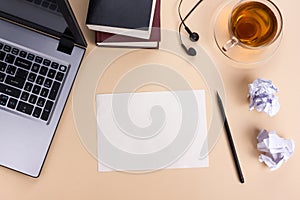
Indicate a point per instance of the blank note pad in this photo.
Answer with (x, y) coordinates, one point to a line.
(151, 130)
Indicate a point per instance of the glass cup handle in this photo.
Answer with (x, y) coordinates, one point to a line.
(230, 43)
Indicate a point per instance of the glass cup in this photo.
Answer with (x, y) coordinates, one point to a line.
(248, 31)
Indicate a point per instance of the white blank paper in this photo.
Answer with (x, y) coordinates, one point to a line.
(144, 110)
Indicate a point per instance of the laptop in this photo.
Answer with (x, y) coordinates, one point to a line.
(41, 48)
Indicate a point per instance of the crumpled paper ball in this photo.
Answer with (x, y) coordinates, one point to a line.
(276, 150)
(262, 97)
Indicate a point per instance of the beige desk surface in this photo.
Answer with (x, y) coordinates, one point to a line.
(70, 172)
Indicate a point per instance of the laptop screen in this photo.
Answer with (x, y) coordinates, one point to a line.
(42, 15)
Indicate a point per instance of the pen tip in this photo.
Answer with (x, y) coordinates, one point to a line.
(218, 96)
(242, 180)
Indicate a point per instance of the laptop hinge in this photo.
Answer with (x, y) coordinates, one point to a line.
(65, 45)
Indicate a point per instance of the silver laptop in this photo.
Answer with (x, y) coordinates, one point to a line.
(41, 48)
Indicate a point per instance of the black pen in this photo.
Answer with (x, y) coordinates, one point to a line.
(228, 133)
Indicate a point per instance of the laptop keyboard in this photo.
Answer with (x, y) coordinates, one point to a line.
(29, 82)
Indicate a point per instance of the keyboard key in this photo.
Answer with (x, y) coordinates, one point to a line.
(7, 48)
(31, 77)
(32, 99)
(47, 110)
(30, 56)
(21, 73)
(37, 112)
(59, 76)
(46, 62)
(3, 99)
(54, 65)
(12, 103)
(25, 108)
(25, 96)
(45, 4)
(44, 92)
(3, 66)
(38, 2)
(11, 70)
(1, 45)
(48, 106)
(23, 54)
(10, 58)
(62, 68)
(48, 83)
(51, 73)
(53, 7)
(35, 67)
(41, 102)
(54, 90)
(38, 59)
(15, 51)
(10, 90)
(2, 55)
(36, 89)
(43, 70)
(28, 86)
(40, 80)
(45, 116)
(2, 77)
(15, 81)
(20, 62)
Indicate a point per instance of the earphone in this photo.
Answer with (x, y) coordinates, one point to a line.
(192, 35)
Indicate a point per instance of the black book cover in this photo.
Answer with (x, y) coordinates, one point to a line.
(124, 14)
(113, 40)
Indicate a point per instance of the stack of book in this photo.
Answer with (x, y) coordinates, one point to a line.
(125, 23)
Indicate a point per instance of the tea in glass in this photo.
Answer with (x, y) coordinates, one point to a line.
(253, 24)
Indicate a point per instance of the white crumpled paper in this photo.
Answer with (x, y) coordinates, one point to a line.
(262, 98)
(276, 149)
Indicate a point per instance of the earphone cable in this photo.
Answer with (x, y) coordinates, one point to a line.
(183, 19)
